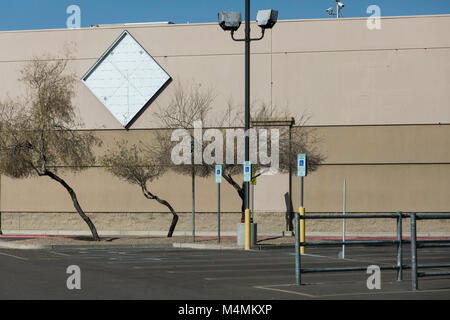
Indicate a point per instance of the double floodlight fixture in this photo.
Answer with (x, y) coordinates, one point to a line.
(231, 21)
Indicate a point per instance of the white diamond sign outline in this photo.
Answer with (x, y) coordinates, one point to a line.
(126, 79)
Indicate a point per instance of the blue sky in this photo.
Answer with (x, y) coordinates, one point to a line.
(45, 14)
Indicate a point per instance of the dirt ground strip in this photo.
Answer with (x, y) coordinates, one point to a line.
(105, 241)
(268, 223)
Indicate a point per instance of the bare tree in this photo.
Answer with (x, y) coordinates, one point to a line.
(191, 105)
(300, 139)
(139, 165)
(188, 104)
(38, 130)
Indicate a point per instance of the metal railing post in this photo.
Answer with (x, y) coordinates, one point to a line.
(414, 244)
(399, 247)
(298, 279)
(413, 252)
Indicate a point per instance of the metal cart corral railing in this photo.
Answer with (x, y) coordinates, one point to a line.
(415, 244)
(399, 266)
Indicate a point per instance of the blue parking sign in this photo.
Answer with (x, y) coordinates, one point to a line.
(218, 173)
(301, 165)
(247, 171)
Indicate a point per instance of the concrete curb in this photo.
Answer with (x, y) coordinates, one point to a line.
(22, 246)
(129, 233)
(124, 233)
(257, 247)
(205, 246)
(112, 246)
(262, 247)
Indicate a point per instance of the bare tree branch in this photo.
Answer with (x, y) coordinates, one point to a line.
(188, 106)
(139, 165)
(39, 133)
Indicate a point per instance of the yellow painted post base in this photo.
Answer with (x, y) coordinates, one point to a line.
(247, 229)
(302, 229)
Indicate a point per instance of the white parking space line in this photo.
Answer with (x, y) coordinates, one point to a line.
(60, 254)
(379, 293)
(310, 279)
(286, 291)
(13, 256)
(229, 270)
(168, 260)
(276, 288)
(211, 266)
(245, 277)
(311, 255)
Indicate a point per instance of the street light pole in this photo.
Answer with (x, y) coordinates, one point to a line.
(247, 99)
(231, 21)
(193, 187)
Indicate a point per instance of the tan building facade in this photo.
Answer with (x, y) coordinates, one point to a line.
(379, 100)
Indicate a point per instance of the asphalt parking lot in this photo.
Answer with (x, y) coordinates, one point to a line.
(138, 273)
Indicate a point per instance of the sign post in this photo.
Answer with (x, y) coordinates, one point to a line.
(301, 172)
(342, 253)
(300, 223)
(247, 178)
(218, 181)
(253, 183)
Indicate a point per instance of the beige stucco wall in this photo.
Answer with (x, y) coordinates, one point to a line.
(378, 99)
(387, 168)
(338, 71)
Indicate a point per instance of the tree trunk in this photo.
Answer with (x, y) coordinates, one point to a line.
(239, 190)
(288, 216)
(151, 196)
(75, 203)
(242, 196)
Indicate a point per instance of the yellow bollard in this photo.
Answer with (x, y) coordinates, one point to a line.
(247, 229)
(302, 229)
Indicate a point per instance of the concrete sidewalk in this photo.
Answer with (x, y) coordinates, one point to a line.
(53, 242)
(30, 242)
